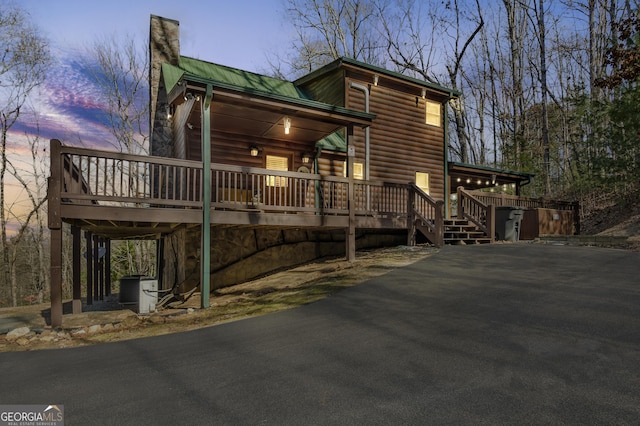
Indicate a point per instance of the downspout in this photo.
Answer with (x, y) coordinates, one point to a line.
(367, 154)
(447, 199)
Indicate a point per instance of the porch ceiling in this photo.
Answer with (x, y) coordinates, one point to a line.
(474, 177)
(262, 116)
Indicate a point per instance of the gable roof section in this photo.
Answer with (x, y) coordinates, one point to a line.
(246, 82)
(377, 70)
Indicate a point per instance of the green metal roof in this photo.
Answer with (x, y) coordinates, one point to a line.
(250, 83)
(492, 169)
(240, 78)
(333, 142)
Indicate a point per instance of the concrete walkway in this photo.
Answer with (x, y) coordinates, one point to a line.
(499, 334)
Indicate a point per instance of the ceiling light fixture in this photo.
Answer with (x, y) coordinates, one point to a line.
(287, 125)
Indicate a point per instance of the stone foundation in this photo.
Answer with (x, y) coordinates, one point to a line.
(241, 254)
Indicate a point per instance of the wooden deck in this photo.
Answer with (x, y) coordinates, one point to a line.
(120, 196)
(129, 196)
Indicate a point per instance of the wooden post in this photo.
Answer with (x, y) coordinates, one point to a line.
(89, 238)
(107, 266)
(54, 187)
(99, 244)
(351, 230)
(460, 202)
(77, 285)
(96, 268)
(411, 215)
(439, 224)
(491, 222)
(205, 243)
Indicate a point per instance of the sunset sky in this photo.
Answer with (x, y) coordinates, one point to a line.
(238, 33)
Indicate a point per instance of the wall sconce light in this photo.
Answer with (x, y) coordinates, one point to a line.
(468, 180)
(375, 79)
(254, 151)
(458, 180)
(487, 183)
(169, 111)
(287, 125)
(479, 182)
(493, 179)
(306, 158)
(424, 93)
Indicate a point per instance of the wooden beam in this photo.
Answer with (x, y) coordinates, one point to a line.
(54, 186)
(205, 246)
(89, 239)
(77, 285)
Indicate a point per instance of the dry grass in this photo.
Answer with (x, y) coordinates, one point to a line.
(277, 292)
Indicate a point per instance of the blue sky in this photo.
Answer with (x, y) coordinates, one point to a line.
(238, 33)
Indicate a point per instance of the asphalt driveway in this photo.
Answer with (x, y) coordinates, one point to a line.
(500, 334)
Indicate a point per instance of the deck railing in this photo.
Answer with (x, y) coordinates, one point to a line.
(499, 200)
(110, 178)
(118, 179)
(474, 210)
(425, 213)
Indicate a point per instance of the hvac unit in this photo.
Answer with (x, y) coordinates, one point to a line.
(139, 293)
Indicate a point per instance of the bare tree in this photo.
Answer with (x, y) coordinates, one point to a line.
(32, 178)
(452, 29)
(330, 29)
(24, 60)
(119, 67)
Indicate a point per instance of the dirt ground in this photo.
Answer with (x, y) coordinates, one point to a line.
(108, 321)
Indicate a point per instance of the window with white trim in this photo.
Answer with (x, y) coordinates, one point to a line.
(358, 170)
(433, 113)
(281, 164)
(422, 181)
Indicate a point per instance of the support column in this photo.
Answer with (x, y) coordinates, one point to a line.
(54, 186)
(99, 245)
(107, 266)
(89, 238)
(77, 285)
(205, 246)
(351, 230)
(160, 262)
(96, 268)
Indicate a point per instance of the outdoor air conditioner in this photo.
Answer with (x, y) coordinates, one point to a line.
(141, 293)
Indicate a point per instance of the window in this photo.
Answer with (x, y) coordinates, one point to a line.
(358, 170)
(422, 181)
(433, 113)
(280, 164)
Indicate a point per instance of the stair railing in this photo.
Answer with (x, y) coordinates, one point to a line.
(426, 215)
(475, 211)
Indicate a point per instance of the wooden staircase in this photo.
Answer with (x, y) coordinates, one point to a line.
(474, 224)
(459, 232)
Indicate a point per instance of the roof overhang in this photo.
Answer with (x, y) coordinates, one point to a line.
(258, 114)
(472, 177)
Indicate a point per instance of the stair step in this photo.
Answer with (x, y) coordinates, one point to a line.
(466, 241)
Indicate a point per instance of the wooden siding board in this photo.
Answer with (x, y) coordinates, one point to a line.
(401, 142)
